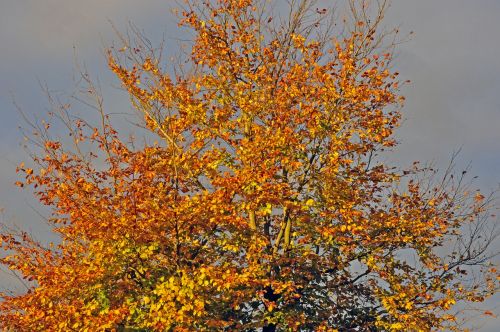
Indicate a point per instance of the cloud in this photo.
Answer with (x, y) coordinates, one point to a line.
(49, 29)
(453, 63)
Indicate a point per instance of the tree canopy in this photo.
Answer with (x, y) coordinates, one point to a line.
(262, 203)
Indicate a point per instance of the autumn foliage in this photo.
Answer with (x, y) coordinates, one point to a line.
(258, 199)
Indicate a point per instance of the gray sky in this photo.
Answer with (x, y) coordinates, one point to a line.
(453, 61)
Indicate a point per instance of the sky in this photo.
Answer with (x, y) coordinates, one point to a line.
(452, 60)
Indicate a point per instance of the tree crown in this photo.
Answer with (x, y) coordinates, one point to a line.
(263, 203)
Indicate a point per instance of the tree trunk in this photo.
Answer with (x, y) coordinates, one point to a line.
(269, 328)
(273, 297)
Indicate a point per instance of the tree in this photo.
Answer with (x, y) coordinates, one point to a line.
(262, 205)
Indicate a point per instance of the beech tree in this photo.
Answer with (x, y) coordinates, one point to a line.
(261, 202)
